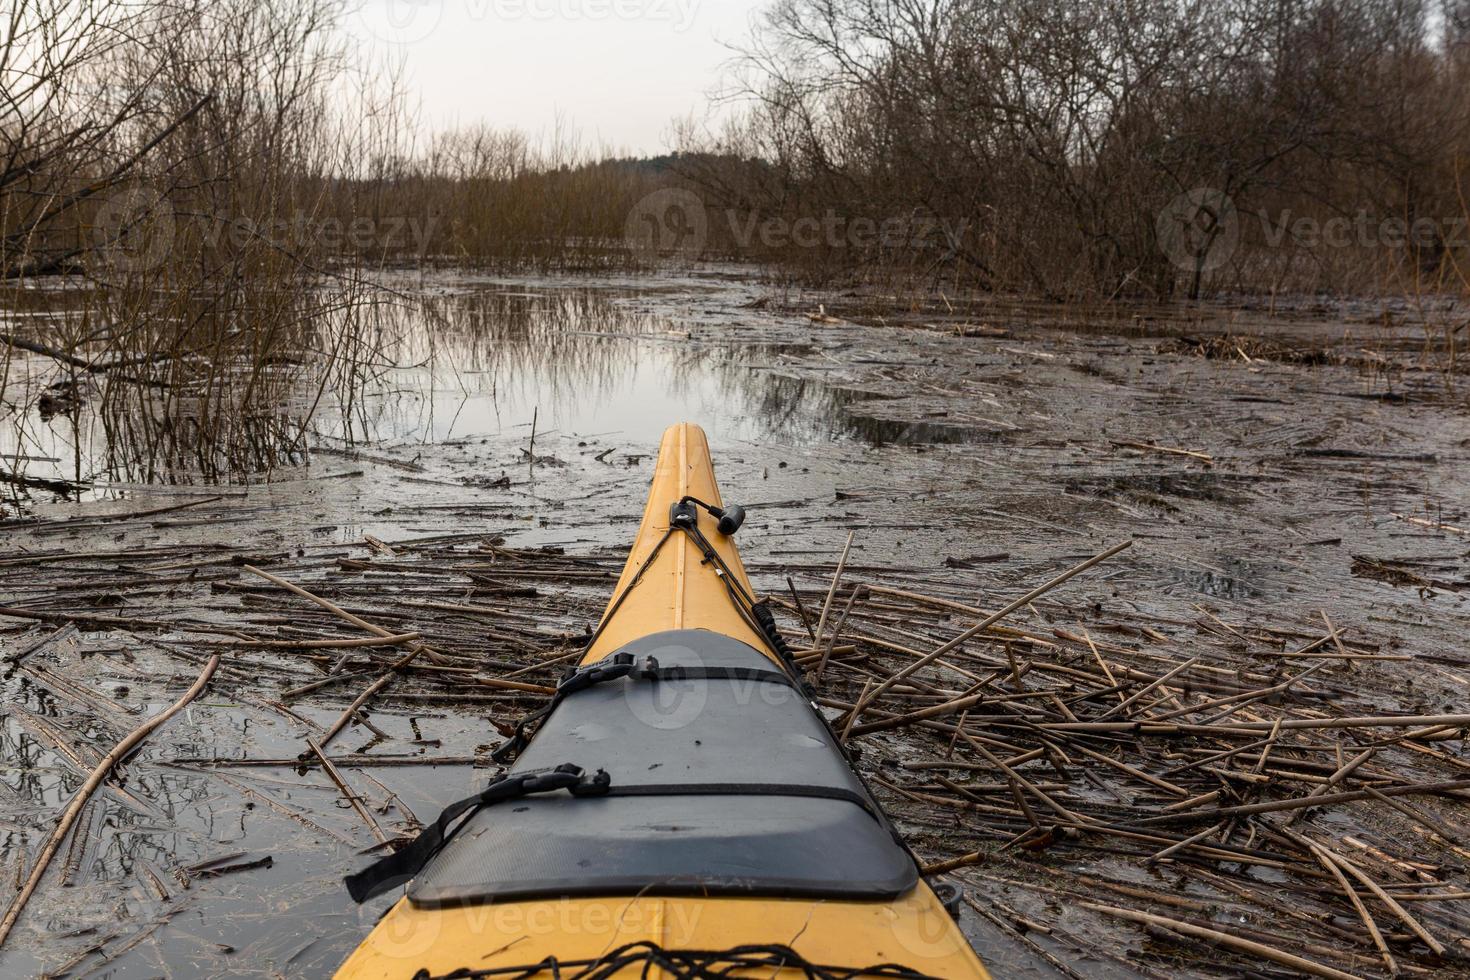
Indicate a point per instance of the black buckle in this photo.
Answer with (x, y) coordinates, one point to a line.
(567, 776)
(400, 867)
(579, 679)
(542, 780)
(950, 896)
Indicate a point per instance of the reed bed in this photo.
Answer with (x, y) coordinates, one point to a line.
(1235, 791)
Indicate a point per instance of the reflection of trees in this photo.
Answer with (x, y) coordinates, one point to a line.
(239, 415)
(43, 768)
(129, 837)
(218, 410)
(545, 345)
(579, 345)
(26, 765)
(378, 370)
(805, 409)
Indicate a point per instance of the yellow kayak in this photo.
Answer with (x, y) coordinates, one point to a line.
(681, 809)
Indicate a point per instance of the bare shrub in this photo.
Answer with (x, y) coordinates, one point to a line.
(1061, 131)
(166, 196)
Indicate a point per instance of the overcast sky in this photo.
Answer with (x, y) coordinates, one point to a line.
(618, 70)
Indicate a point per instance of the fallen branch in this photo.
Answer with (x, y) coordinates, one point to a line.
(339, 612)
(83, 795)
(45, 641)
(1150, 448)
(352, 798)
(1224, 939)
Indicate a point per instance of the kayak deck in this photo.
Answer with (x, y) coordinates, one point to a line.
(675, 590)
(713, 766)
(732, 818)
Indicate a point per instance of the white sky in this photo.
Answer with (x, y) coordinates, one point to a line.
(618, 71)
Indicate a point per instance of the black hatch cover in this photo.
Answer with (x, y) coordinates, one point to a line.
(695, 731)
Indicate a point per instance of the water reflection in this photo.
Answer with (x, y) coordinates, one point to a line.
(578, 363)
(433, 368)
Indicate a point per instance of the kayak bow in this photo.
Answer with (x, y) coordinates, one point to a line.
(682, 809)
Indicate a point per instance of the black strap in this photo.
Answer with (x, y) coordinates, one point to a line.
(768, 628)
(679, 673)
(624, 665)
(749, 789)
(756, 614)
(400, 868)
(575, 679)
(617, 603)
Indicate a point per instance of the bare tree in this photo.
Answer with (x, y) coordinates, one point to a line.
(69, 132)
(1060, 129)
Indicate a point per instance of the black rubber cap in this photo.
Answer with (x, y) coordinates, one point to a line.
(731, 519)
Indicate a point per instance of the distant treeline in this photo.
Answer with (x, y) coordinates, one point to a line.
(1071, 149)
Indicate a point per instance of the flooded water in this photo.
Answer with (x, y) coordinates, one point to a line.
(979, 465)
(480, 361)
(489, 362)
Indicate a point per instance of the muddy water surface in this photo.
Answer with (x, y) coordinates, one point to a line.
(975, 465)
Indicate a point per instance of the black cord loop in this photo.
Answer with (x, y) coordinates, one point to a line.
(683, 964)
